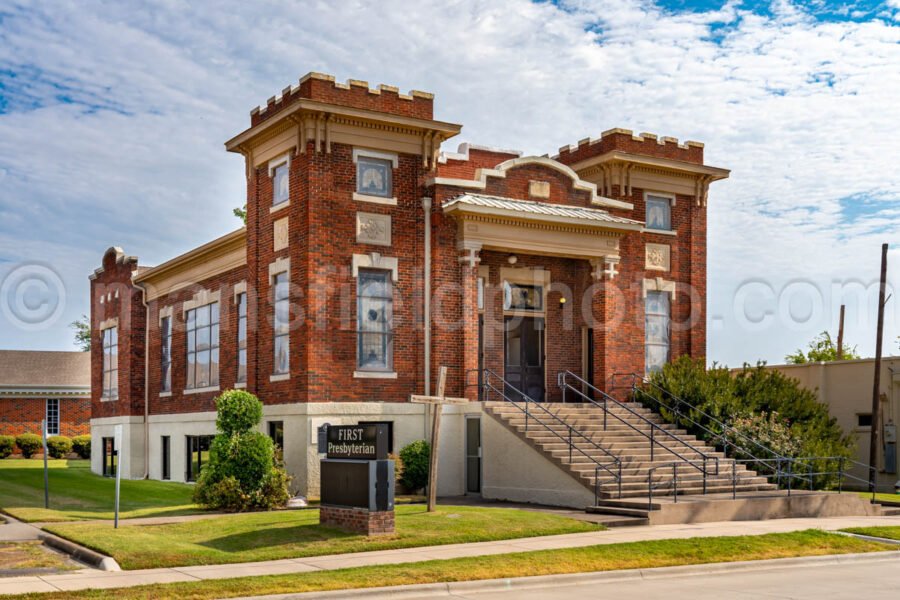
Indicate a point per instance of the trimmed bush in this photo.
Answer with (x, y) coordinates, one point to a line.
(415, 464)
(29, 444)
(59, 446)
(81, 445)
(243, 471)
(7, 444)
(764, 404)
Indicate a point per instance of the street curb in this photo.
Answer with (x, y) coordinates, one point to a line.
(85, 555)
(443, 590)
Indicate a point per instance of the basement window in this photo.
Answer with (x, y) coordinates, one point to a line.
(864, 420)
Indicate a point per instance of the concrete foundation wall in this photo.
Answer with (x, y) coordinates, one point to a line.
(515, 471)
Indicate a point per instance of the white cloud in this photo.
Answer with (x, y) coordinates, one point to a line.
(115, 136)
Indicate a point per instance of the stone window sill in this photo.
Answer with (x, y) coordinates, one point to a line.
(279, 206)
(660, 231)
(165, 394)
(240, 385)
(203, 390)
(374, 375)
(108, 399)
(280, 377)
(375, 199)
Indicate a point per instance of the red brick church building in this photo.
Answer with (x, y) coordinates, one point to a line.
(370, 258)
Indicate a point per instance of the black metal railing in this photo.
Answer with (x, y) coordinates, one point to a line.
(569, 383)
(538, 415)
(788, 472)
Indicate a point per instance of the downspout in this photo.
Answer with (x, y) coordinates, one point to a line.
(426, 207)
(146, 380)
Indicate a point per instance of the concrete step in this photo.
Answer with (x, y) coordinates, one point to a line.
(684, 492)
(625, 512)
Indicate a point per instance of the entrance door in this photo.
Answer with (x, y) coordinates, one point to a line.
(524, 356)
(473, 455)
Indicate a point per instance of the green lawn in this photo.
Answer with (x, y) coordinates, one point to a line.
(887, 532)
(77, 494)
(639, 555)
(881, 497)
(291, 534)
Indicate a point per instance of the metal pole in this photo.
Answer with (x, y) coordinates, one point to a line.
(46, 475)
(876, 386)
(840, 340)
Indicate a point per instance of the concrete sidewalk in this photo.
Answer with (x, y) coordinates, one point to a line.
(85, 579)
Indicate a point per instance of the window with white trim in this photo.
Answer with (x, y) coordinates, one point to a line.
(659, 213)
(657, 311)
(165, 359)
(242, 338)
(281, 184)
(282, 324)
(110, 363)
(374, 320)
(52, 416)
(203, 346)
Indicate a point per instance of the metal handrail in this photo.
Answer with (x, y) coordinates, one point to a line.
(616, 473)
(716, 437)
(673, 482)
(654, 427)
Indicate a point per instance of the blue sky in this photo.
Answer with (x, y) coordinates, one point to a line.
(113, 115)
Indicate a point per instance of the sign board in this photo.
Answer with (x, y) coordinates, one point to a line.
(365, 484)
(358, 442)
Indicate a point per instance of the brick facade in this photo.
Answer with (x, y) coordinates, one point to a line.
(316, 126)
(24, 415)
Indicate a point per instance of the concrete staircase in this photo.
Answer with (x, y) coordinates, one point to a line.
(625, 439)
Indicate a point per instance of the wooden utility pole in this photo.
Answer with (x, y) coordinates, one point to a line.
(876, 386)
(437, 404)
(840, 340)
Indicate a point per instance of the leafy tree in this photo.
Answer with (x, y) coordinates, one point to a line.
(242, 472)
(240, 213)
(82, 328)
(750, 400)
(821, 349)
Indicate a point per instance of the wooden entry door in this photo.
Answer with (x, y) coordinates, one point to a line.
(524, 356)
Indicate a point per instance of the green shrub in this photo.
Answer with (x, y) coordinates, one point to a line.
(59, 446)
(81, 445)
(242, 472)
(29, 444)
(238, 411)
(744, 398)
(415, 460)
(7, 444)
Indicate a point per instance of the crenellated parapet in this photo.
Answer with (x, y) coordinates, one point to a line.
(624, 140)
(353, 94)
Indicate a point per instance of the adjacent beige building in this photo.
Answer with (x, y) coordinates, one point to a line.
(846, 387)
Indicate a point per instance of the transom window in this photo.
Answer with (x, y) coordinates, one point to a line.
(203, 346)
(281, 184)
(282, 324)
(374, 320)
(110, 363)
(165, 366)
(374, 176)
(53, 416)
(517, 296)
(242, 338)
(659, 213)
(657, 315)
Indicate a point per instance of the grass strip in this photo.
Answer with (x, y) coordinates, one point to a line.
(884, 532)
(276, 535)
(662, 553)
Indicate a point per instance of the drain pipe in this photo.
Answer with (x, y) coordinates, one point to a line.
(426, 207)
(146, 380)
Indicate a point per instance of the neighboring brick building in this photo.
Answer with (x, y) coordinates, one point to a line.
(38, 385)
(370, 258)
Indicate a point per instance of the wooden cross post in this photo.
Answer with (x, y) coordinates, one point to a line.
(436, 403)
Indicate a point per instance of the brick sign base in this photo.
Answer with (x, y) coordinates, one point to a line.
(358, 520)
